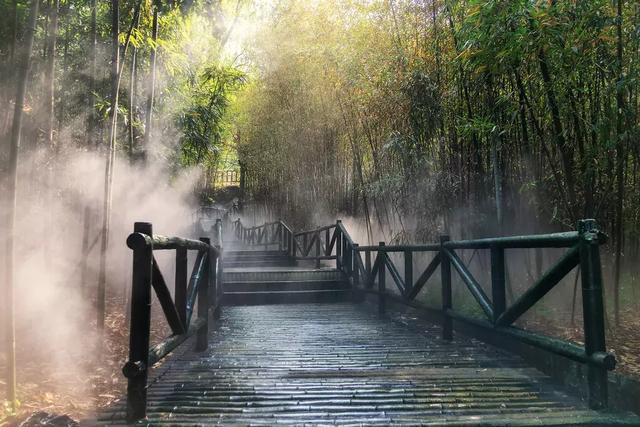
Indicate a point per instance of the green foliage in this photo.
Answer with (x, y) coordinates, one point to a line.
(392, 110)
(202, 122)
(415, 110)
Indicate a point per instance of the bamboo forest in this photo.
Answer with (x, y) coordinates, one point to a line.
(383, 212)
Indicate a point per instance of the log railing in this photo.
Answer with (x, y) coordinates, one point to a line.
(202, 288)
(270, 234)
(316, 244)
(368, 273)
(331, 242)
(227, 177)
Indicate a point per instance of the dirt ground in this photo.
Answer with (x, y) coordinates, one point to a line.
(622, 340)
(89, 383)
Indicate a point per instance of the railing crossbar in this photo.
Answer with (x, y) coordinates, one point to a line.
(196, 276)
(424, 278)
(471, 283)
(395, 275)
(374, 270)
(164, 297)
(161, 350)
(535, 293)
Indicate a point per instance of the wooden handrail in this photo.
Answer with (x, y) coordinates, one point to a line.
(582, 251)
(268, 234)
(205, 278)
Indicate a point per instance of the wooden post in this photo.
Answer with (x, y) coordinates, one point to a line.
(218, 233)
(356, 269)
(327, 241)
(287, 240)
(498, 282)
(292, 244)
(243, 185)
(382, 276)
(213, 279)
(136, 369)
(317, 249)
(408, 271)
(356, 273)
(593, 310)
(202, 338)
(280, 235)
(369, 279)
(338, 245)
(219, 283)
(265, 236)
(447, 297)
(347, 251)
(304, 245)
(180, 293)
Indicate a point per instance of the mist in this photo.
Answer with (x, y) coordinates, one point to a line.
(55, 311)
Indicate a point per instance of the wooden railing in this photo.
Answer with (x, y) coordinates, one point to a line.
(331, 242)
(202, 225)
(369, 275)
(326, 243)
(269, 234)
(227, 177)
(204, 288)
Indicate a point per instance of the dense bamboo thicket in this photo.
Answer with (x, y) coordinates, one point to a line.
(471, 116)
(110, 112)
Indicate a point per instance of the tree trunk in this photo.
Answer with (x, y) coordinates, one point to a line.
(108, 174)
(620, 163)
(132, 99)
(566, 152)
(93, 48)
(12, 185)
(64, 70)
(116, 73)
(50, 76)
(49, 113)
(495, 158)
(14, 31)
(152, 82)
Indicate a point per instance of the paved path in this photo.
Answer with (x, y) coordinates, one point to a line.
(326, 364)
